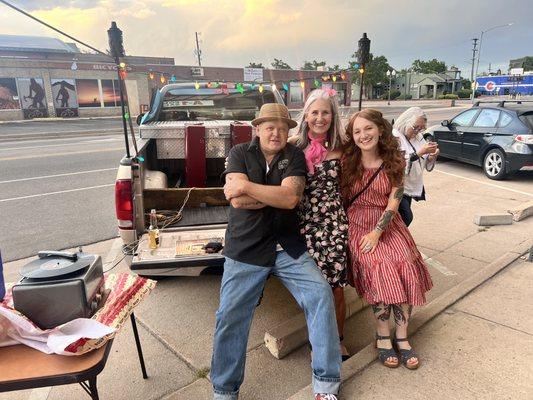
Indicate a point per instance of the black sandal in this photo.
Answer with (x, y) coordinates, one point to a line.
(406, 355)
(384, 354)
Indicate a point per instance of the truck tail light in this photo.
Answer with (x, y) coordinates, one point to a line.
(124, 203)
(526, 139)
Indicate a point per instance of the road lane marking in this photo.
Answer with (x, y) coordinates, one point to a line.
(50, 139)
(55, 176)
(52, 193)
(485, 183)
(61, 154)
(58, 145)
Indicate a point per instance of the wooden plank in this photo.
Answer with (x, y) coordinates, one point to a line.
(172, 199)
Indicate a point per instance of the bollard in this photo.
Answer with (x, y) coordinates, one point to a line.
(452, 103)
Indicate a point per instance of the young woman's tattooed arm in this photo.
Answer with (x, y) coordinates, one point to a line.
(392, 208)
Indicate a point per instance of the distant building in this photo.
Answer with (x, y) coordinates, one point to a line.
(45, 77)
(423, 86)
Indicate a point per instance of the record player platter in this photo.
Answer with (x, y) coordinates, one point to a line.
(54, 265)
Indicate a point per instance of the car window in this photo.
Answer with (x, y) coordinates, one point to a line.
(505, 119)
(527, 119)
(190, 104)
(487, 118)
(464, 118)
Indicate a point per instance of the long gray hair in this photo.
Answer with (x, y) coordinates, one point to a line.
(335, 133)
(408, 118)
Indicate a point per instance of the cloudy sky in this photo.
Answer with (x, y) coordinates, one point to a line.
(235, 32)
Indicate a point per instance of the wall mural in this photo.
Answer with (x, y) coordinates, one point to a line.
(88, 93)
(32, 97)
(65, 97)
(9, 98)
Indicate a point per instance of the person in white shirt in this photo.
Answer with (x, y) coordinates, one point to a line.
(419, 156)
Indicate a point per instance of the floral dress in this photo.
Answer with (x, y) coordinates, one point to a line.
(324, 223)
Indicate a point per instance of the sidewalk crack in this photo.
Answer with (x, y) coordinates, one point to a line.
(494, 322)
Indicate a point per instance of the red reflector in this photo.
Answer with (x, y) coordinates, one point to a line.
(124, 200)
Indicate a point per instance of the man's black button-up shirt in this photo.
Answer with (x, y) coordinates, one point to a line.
(252, 235)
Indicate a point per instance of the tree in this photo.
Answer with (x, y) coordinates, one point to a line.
(255, 65)
(313, 65)
(280, 64)
(429, 67)
(375, 72)
(466, 84)
(336, 67)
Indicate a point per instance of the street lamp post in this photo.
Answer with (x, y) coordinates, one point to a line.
(390, 74)
(363, 54)
(479, 52)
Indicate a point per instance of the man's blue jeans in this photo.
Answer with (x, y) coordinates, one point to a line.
(242, 285)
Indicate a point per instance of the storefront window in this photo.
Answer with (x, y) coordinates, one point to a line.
(88, 93)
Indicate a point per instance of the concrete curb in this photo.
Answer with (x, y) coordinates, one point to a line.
(522, 211)
(292, 334)
(367, 355)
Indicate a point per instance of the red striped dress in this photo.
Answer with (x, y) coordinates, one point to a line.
(395, 272)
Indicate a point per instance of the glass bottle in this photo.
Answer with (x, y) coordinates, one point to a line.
(153, 231)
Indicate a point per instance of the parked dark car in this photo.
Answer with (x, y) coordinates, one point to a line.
(498, 136)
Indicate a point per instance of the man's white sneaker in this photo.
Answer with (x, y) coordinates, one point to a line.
(321, 396)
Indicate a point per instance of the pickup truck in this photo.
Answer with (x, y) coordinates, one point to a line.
(182, 146)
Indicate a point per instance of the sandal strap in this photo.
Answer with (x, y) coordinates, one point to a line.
(401, 340)
(379, 337)
(406, 354)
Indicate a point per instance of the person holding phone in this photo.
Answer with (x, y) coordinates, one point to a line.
(419, 155)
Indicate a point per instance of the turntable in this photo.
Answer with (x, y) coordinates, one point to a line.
(59, 287)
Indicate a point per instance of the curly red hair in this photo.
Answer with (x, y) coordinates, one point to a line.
(388, 151)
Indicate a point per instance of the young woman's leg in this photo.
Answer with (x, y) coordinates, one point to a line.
(382, 314)
(402, 313)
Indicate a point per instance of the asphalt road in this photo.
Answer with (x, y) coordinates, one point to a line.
(57, 192)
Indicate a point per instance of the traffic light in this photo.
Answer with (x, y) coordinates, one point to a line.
(363, 52)
(116, 46)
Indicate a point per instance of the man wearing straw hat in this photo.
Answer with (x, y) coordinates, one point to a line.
(264, 182)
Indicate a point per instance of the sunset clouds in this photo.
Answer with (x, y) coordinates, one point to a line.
(233, 32)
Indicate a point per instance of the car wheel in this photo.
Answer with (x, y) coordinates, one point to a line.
(494, 164)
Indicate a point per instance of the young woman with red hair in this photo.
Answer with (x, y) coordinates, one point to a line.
(387, 268)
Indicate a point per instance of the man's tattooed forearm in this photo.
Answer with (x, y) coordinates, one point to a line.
(399, 193)
(385, 220)
(298, 184)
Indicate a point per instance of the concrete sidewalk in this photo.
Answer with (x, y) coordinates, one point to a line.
(479, 348)
(176, 321)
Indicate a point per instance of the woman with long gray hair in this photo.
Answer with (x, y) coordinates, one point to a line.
(419, 156)
(323, 221)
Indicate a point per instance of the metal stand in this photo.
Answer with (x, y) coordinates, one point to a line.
(90, 388)
(138, 344)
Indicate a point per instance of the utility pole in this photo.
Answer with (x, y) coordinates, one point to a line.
(198, 52)
(473, 86)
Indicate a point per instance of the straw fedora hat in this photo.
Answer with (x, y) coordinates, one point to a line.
(274, 112)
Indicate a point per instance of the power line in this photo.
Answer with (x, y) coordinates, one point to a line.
(55, 29)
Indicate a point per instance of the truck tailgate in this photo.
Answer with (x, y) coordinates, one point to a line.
(179, 248)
